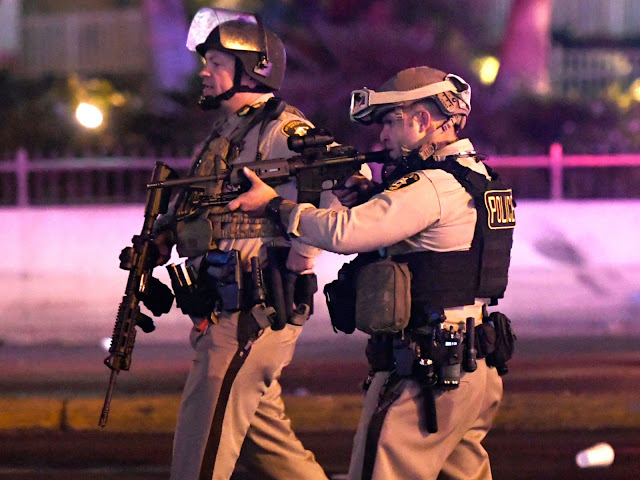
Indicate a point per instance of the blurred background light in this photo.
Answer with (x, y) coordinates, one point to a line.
(634, 90)
(105, 343)
(486, 68)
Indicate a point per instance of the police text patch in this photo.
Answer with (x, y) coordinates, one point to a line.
(404, 181)
(295, 127)
(500, 209)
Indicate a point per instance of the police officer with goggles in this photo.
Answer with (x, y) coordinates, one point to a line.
(231, 409)
(438, 235)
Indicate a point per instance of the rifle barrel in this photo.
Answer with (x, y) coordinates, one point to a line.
(107, 399)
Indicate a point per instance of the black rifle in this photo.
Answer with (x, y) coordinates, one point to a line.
(317, 163)
(140, 263)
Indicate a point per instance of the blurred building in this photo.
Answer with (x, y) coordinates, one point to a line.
(99, 37)
(594, 41)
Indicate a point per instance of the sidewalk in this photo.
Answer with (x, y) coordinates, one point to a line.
(553, 384)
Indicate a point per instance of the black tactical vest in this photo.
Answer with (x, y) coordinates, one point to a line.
(452, 279)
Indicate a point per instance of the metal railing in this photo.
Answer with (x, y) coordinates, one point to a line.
(72, 181)
(106, 180)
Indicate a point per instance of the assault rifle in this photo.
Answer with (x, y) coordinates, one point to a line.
(319, 161)
(141, 286)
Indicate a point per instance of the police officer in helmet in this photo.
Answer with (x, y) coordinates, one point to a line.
(257, 53)
(231, 409)
(442, 219)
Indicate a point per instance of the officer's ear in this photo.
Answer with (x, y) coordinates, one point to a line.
(423, 117)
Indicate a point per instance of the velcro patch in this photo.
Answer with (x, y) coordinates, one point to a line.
(295, 127)
(404, 182)
(500, 209)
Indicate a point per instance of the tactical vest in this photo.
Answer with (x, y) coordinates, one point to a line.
(201, 222)
(452, 279)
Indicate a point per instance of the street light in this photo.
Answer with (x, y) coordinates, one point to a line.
(89, 116)
(487, 69)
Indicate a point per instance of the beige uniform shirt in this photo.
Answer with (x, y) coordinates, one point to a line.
(424, 210)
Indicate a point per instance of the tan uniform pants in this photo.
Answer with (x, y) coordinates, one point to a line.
(255, 430)
(454, 452)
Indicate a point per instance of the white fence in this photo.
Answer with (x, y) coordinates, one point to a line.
(109, 180)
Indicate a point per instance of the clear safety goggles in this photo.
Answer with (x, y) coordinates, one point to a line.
(365, 102)
(232, 35)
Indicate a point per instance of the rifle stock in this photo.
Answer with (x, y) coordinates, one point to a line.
(129, 315)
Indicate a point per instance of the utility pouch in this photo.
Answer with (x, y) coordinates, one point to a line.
(383, 297)
(504, 344)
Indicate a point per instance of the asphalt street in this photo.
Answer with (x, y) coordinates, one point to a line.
(561, 396)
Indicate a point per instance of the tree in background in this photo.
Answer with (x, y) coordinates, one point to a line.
(334, 46)
(524, 52)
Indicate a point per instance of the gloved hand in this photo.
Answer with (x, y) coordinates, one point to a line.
(299, 263)
(127, 254)
(354, 191)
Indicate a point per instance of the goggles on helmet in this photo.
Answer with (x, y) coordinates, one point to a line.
(232, 36)
(366, 104)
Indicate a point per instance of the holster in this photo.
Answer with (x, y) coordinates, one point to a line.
(340, 294)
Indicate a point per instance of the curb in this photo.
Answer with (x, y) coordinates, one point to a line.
(315, 413)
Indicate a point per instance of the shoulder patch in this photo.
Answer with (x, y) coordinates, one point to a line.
(404, 181)
(500, 209)
(295, 127)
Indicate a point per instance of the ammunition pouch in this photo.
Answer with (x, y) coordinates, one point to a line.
(222, 275)
(217, 285)
(191, 297)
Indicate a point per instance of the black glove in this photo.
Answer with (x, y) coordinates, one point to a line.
(156, 296)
